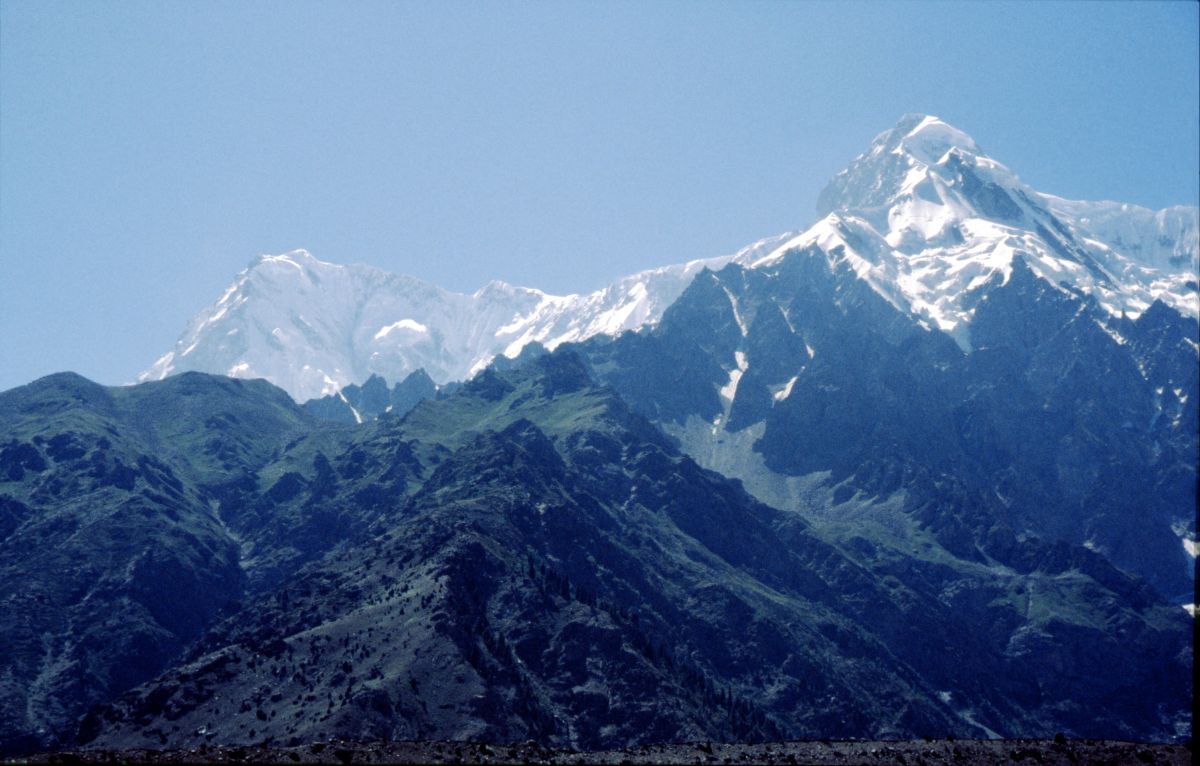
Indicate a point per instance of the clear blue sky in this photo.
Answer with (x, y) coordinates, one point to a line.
(148, 151)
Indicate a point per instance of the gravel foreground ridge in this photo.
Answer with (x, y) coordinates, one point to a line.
(817, 753)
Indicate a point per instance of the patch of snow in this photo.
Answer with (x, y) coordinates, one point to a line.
(480, 365)
(161, 368)
(404, 324)
(737, 316)
(1183, 530)
(729, 390)
(282, 260)
(357, 417)
(931, 139)
(786, 391)
(968, 715)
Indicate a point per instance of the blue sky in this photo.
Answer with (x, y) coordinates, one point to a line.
(148, 151)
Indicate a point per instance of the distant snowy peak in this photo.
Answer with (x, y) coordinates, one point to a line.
(922, 177)
(1162, 239)
(290, 318)
(926, 218)
(920, 180)
(313, 327)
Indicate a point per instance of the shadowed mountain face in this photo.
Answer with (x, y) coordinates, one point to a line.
(529, 558)
(813, 389)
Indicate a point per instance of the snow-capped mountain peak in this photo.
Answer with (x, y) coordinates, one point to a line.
(898, 161)
(929, 139)
(926, 218)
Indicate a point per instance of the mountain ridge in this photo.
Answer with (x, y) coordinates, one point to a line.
(923, 216)
(375, 322)
(530, 557)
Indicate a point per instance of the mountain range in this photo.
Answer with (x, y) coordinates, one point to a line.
(924, 215)
(915, 238)
(927, 468)
(200, 561)
(313, 327)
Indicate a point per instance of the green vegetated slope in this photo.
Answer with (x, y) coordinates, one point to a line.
(113, 555)
(525, 559)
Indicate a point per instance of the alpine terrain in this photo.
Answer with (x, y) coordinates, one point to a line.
(925, 469)
(944, 323)
(313, 327)
(527, 558)
(930, 214)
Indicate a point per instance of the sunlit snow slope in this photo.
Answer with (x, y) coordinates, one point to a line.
(312, 327)
(926, 218)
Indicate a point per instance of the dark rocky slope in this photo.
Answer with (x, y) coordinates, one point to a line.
(1060, 421)
(526, 559)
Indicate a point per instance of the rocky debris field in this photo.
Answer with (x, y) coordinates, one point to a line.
(818, 753)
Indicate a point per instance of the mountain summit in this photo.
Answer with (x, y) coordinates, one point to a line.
(946, 325)
(874, 178)
(924, 217)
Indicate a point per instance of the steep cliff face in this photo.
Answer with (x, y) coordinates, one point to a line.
(943, 320)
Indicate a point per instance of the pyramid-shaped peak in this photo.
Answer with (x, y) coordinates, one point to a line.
(923, 137)
(876, 175)
(297, 259)
(418, 378)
